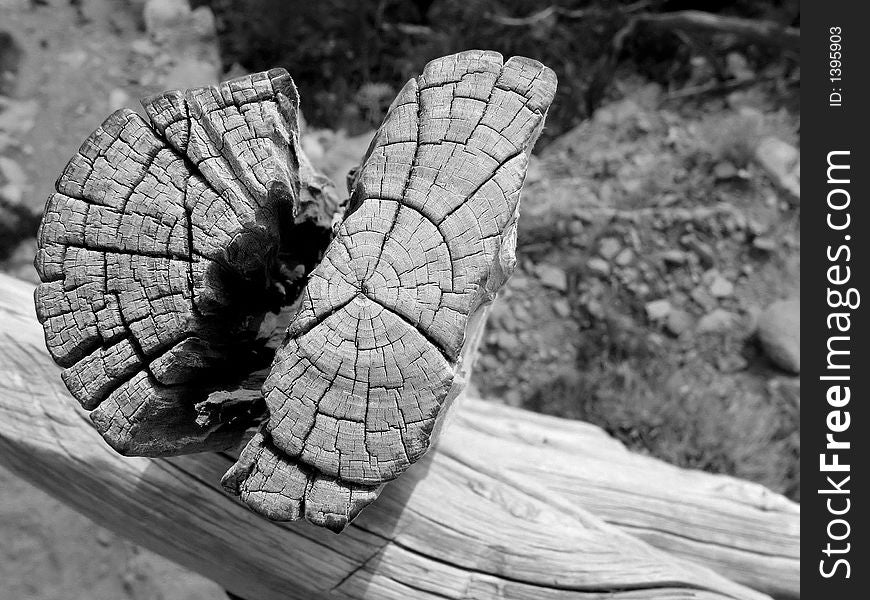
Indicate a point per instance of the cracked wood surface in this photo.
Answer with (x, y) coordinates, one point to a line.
(158, 251)
(372, 357)
(492, 512)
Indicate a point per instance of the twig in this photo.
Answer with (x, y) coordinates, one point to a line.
(715, 87)
(761, 32)
(567, 13)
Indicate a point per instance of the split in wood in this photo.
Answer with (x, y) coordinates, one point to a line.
(170, 248)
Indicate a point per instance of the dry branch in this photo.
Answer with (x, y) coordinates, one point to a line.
(695, 21)
(493, 512)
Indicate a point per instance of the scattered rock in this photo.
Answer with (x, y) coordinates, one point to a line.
(657, 310)
(721, 287)
(552, 277)
(703, 298)
(507, 341)
(625, 257)
(716, 321)
(11, 194)
(701, 249)
(513, 397)
(186, 39)
(520, 313)
(765, 244)
(164, 17)
(782, 161)
(143, 46)
(731, 363)
(11, 172)
(724, 170)
(674, 257)
(74, 59)
(779, 331)
(562, 308)
(738, 66)
(118, 99)
(598, 265)
(617, 112)
(104, 537)
(609, 247)
(678, 322)
(17, 117)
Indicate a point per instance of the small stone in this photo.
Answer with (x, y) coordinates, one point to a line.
(633, 185)
(678, 322)
(625, 257)
(717, 320)
(552, 277)
(17, 117)
(724, 170)
(738, 66)
(11, 194)
(519, 282)
(598, 265)
(765, 244)
(506, 341)
(520, 313)
(104, 537)
(779, 331)
(165, 15)
(11, 172)
(143, 46)
(731, 363)
(74, 59)
(721, 287)
(782, 161)
(513, 397)
(609, 247)
(562, 308)
(703, 251)
(118, 99)
(658, 309)
(575, 227)
(674, 257)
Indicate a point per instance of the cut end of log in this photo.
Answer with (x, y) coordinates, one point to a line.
(169, 240)
(165, 245)
(362, 378)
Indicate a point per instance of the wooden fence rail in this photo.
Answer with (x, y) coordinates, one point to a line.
(510, 504)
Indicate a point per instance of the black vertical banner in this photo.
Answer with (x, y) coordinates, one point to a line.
(835, 432)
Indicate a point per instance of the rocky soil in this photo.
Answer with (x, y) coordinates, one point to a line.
(658, 288)
(657, 291)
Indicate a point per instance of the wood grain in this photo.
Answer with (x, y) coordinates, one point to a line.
(372, 356)
(496, 510)
(160, 249)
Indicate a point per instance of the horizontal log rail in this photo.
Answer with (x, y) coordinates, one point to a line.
(510, 504)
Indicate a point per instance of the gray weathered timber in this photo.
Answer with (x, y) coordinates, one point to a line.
(371, 358)
(464, 522)
(159, 254)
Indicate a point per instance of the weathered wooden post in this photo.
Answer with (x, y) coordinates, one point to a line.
(173, 257)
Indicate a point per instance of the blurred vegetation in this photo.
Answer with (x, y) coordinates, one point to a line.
(350, 58)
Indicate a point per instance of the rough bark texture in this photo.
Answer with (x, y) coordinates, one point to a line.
(372, 356)
(494, 511)
(163, 248)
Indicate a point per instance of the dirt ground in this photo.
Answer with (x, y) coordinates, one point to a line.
(654, 239)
